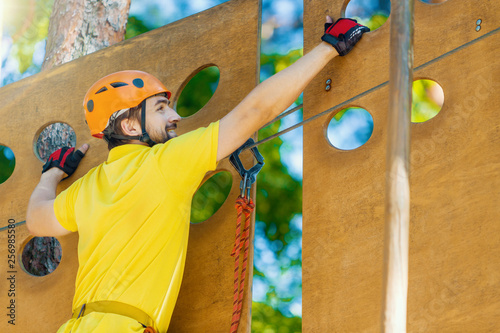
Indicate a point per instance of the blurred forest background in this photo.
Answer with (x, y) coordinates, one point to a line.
(278, 235)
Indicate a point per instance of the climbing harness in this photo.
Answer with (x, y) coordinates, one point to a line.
(118, 308)
(244, 206)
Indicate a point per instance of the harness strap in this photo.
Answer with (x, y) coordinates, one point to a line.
(118, 308)
(243, 206)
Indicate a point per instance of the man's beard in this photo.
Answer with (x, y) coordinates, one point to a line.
(162, 136)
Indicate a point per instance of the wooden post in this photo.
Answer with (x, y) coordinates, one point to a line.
(397, 206)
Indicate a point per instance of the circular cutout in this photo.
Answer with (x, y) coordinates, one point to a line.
(427, 100)
(198, 91)
(350, 128)
(211, 196)
(7, 163)
(53, 137)
(372, 14)
(41, 255)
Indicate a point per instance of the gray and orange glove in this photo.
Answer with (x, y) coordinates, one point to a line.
(66, 159)
(343, 34)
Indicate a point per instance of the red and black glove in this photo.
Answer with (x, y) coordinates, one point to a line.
(66, 159)
(344, 34)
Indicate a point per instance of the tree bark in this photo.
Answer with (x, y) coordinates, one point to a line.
(80, 27)
(76, 28)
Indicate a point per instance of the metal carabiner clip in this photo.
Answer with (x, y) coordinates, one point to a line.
(248, 177)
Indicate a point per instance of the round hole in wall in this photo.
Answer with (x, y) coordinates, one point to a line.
(211, 196)
(53, 137)
(350, 128)
(372, 14)
(41, 255)
(427, 100)
(198, 91)
(7, 163)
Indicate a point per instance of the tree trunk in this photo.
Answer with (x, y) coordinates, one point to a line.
(80, 27)
(77, 28)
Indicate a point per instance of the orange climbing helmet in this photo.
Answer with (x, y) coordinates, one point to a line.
(118, 91)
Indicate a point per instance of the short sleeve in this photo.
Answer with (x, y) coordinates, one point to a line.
(186, 159)
(64, 207)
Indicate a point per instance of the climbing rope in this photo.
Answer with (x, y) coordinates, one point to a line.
(244, 206)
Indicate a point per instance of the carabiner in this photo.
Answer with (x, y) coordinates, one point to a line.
(248, 176)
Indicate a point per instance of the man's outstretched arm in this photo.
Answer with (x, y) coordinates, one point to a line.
(274, 95)
(40, 218)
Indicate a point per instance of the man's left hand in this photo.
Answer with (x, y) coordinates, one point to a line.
(66, 159)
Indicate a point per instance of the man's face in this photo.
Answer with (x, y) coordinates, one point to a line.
(161, 120)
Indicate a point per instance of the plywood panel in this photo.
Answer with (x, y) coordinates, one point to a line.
(455, 184)
(172, 53)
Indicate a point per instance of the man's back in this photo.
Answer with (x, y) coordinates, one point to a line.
(132, 215)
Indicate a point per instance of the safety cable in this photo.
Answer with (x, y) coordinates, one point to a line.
(286, 113)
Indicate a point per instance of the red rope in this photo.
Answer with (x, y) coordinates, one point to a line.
(243, 206)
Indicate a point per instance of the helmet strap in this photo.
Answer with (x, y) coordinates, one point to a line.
(145, 136)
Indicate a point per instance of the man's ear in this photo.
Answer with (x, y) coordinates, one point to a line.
(131, 127)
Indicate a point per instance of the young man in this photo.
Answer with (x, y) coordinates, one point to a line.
(132, 211)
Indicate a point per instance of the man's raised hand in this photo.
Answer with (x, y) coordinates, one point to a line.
(343, 34)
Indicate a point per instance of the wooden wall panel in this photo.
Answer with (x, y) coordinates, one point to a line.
(173, 53)
(454, 281)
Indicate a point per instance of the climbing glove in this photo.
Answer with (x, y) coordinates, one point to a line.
(343, 34)
(65, 158)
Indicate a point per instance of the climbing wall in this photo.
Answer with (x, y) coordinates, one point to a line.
(454, 275)
(173, 53)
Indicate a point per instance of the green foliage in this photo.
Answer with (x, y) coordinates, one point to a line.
(210, 196)
(273, 63)
(279, 195)
(7, 163)
(424, 106)
(375, 22)
(135, 27)
(339, 114)
(198, 91)
(265, 319)
(28, 23)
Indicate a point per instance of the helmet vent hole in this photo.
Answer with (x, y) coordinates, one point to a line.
(138, 83)
(90, 105)
(103, 89)
(118, 84)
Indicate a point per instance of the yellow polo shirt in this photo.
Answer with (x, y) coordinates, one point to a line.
(132, 215)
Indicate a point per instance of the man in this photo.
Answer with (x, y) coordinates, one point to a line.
(132, 211)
